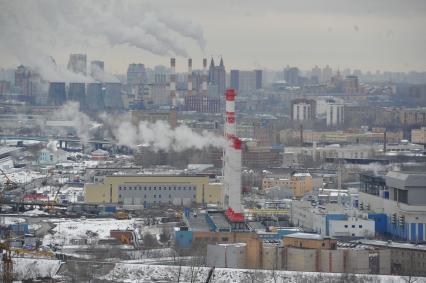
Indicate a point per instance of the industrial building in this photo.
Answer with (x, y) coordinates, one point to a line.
(150, 190)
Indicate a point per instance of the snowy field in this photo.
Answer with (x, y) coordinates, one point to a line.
(24, 176)
(126, 272)
(11, 220)
(28, 268)
(99, 228)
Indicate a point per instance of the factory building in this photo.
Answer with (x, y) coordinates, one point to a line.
(299, 183)
(401, 202)
(146, 191)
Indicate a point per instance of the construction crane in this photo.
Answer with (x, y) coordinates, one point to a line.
(9, 185)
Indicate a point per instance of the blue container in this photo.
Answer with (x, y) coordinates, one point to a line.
(19, 228)
(110, 209)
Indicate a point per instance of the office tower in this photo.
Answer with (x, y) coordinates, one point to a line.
(57, 94)
(217, 76)
(303, 109)
(136, 74)
(77, 92)
(291, 76)
(189, 77)
(351, 84)
(112, 97)
(94, 97)
(316, 73)
(77, 63)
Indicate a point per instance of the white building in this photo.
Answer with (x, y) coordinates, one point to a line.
(302, 112)
(335, 114)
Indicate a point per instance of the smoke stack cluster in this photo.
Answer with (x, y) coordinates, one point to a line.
(204, 77)
(173, 80)
(189, 76)
(232, 157)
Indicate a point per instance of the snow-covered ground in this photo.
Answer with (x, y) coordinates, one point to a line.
(68, 229)
(35, 212)
(23, 176)
(70, 194)
(10, 220)
(30, 268)
(130, 272)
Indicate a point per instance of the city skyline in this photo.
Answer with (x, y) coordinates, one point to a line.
(384, 35)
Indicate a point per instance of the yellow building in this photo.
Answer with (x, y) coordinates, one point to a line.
(153, 189)
(300, 183)
(418, 135)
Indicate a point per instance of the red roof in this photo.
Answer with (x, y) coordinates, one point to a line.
(234, 216)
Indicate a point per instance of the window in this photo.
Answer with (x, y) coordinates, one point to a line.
(144, 196)
(353, 226)
(155, 196)
(159, 196)
(360, 226)
(224, 239)
(119, 188)
(170, 196)
(346, 226)
(119, 196)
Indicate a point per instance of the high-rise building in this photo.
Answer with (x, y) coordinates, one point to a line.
(246, 81)
(94, 97)
(57, 95)
(23, 80)
(303, 109)
(78, 63)
(259, 79)
(327, 73)
(217, 76)
(96, 66)
(112, 97)
(316, 72)
(77, 92)
(291, 76)
(136, 74)
(351, 84)
(4, 87)
(335, 114)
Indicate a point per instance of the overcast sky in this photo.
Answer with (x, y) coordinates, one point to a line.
(364, 34)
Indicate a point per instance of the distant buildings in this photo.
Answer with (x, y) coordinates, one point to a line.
(291, 76)
(136, 74)
(57, 94)
(418, 135)
(77, 63)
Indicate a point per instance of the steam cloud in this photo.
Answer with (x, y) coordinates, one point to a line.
(120, 129)
(31, 29)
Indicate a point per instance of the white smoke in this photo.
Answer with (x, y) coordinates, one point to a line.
(52, 146)
(120, 129)
(29, 30)
(100, 75)
(159, 135)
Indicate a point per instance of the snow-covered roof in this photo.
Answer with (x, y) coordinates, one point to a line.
(305, 236)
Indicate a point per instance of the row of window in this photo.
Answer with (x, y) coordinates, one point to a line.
(353, 226)
(154, 188)
(155, 196)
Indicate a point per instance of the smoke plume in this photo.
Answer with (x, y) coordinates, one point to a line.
(121, 130)
(29, 30)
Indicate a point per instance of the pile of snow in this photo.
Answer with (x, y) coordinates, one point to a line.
(126, 272)
(30, 268)
(68, 229)
(35, 212)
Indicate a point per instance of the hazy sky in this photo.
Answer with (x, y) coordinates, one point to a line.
(365, 34)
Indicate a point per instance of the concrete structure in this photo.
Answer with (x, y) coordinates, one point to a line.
(341, 225)
(227, 255)
(151, 190)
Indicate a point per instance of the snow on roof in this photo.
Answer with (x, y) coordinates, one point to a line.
(306, 236)
(392, 244)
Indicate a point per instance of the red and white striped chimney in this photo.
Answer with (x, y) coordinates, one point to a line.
(189, 76)
(230, 125)
(204, 78)
(232, 158)
(173, 80)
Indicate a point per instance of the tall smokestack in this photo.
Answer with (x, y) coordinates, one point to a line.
(189, 76)
(230, 126)
(385, 141)
(232, 158)
(204, 78)
(173, 80)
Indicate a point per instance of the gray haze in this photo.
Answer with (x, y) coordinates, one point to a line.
(370, 35)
